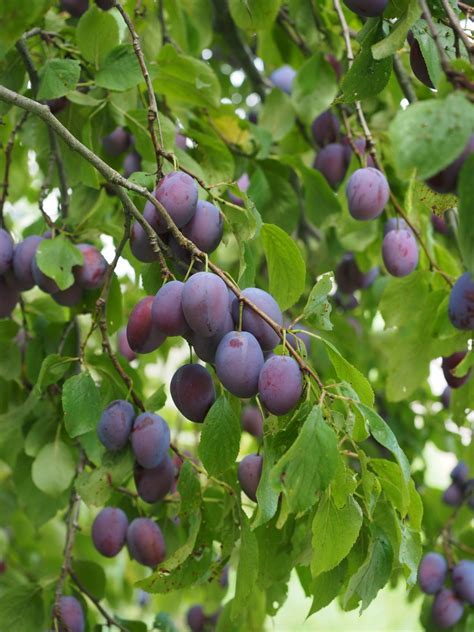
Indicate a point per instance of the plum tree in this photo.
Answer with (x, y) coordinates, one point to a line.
(252, 421)
(446, 180)
(206, 227)
(280, 384)
(205, 303)
(447, 608)
(115, 425)
(23, 256)
(367, 8)
(142, 333)
(117, 142)
(6, 250)
(283, 77)
(449, 364)
(249, 473)
(325, 128)
(167, 310)
(253, 322)
(418, 63)
(9, 298)
(193, 392)
(71, 615)
(350, 278)
(461, 303)
(432, 573)
(123, 347)
(239, 360)
(331, 161)
(91, 274)
(178, 193)
(145, 542)
(367, 193)
(205, 348)
(109, 531)
(150, 440)
(154, 484)
(400, 252)
(463, 580)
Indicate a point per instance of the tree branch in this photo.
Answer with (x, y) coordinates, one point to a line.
(8, 160)
(403, 80)
(457, 28)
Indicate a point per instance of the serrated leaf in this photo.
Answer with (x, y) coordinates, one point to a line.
(56, 258)
(120, 70)
(220, 437)
(58, 77)
(96, 487)
(327, 586)
(81, 404)
(314, 88)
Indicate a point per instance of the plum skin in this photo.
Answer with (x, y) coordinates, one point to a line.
(178, 193)
(249, 473)
(448, 364)
(349, 277)
(205, 348)
(123, 347)
(139, 242)
(239, 360)
(463, 580)
(167, 311)
(205, 302)
(91, 274)
(432, 573)
(461, 303)
(206, 227)
(253, 323)
(193, 392)
(280, 384)
(117, 142)
(150, 440)
(109, 531)
(283, 78)
(145, 542)
(332, 162)
(23, 256)
(367, 193)
(447, 608)
(71, 615)
(142, 333)
(325, 128)
(115, 425)
(154, 484)
(367, 8)
(252, 421)
(9, 298)
(400, 252)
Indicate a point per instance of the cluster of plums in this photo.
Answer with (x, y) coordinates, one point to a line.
(461, 488)
(449, 364)
(19, 272)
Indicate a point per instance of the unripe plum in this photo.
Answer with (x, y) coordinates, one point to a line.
(463, 580)
(206, 227)
(91, 274)
(142, 333)
(9, 297)
(252, 421)
(448, 365)
(432, 573)
(123, 347)
(418, 64)
(205, 303)
(253, 323)
(132, 163)
(70, 296)
(332, 162)
(167, 310)
(350, 278)
(150, 440)
(109, 531)
(145, 542)
(116, 142)
(22, 259)
(249, 473)
(325, 128)
(447, 608)
(6, 250)
(71, 615)
(193, 392)
(205, 348)
(367, 8)
(239, 360)
(283, 77)
(153, 485)
(400, 252)
(115, 425)
(367, 193)
(280, 384)
(178, 193)
(446, 181)
(461, 303)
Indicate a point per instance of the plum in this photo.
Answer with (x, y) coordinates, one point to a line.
(115, 425)
(448, 365)
(70, 296)
(243, 183)
(460, 473)
(178, 193)
(9, 298)
(283, 77)
(139, 241)
(109, 531)
(453, 496)
(206, 227)
(6, 251)
(461, 303)
(150, 440)
(105, 4)
(193, 392)
(123, 347)
(350, 278)
(239, 360)
(280, 384)
(142, 333)
(132, 163)
(394, 223)
(249, 473)
(367, 193)
(400, 252)
(205, 348)
(463, 580)
(367, 8)
(71, 615)
(332, 162)
(145, 542)
(196, 619)
(205, 303)
(325, 128)
(432, 573)
(252, 421)
(91, 274)
(167, 310)
(447, 608)
(117, 142)
(23, 256)
(153, 484)
(253, 323)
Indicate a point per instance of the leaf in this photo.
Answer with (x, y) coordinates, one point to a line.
(52, 370)
(277, 114)
(56, 258)
(314, 88)
(58, 77)
(286, 267)
(157, 400)
(390, 476)
(220, 437)
(96, 487)
(189, 490)
(267, 495)
(393, 42)
(418, 132)
(21, 608)
(466, 215)
(309, 465)
(335, 531)
(327, 586)
(53, 469)
(18, 16)
(96, 34)
(374, 572)
(120, 70)
(92, 576)
(320, 200)
(317, 311)
(81, 404)
(247, 570)
(253, 15)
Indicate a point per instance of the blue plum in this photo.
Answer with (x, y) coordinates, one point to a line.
(9, 298)
(449, 364)
(22, 259)
(117, 142)
(6, 251)
(70, 296)
(325, 128)
(206, 227)
(367, 193)
(109, 531)
(447, 608)
(91, 274)
(145, 542)
(332, 162)
(150, 440)
(283, 77)
(142, 333)
(205, 303)
(253, 323)
(205, 348)
(249, 473)
(123, 347)
(280, 384)
(400, 252)
(167, 310)
(252, 421)
(461, 303)
(463, 580)
(239, 360)
(193, 392)
(71, 615)
(153, 484)
(432, 573)
(178, 193)
(115, 425)
(367, 8)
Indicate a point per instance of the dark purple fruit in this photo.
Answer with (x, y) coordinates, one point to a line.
(132, 163)
(400, 252)
(418, 64)
(367, 193)
(6, 251)
(252, 421)
(167, 310)
(453, 496)
(325, 128)
(280, 384)
(432, 573)
(145, 542)
(9, 298)
(463, 580)
(332, 162)
(115, 425)
(249, 473)
(461, 303)
(253, 323)
(205, 303)
(193, 392)
(123, 347)
(206, 227)
(367, 8)
(109, 531)
(449, 364)
(150, 440)
(153, 485)
(349, 277)
(117, 142)
(239, 360)
(91, 274)
(22, 259)
(70, 297)
(142, 333)
(447, 608)
(71, 616)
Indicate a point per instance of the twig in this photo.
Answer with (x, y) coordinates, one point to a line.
(85, 591)
(8, 160)
(457, 28)
(403, 80)
(161, 17)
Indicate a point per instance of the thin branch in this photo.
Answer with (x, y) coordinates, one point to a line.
(85, 591)
(8, 160)
(457, 28)
(404, 80)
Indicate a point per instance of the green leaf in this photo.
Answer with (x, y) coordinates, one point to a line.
(254, 15)
(391, 478)
(309, 465)
(56, 258)
(277, 114)
(120, 70)
(465, 231)
(157, 400)
(317, 311)
(327, 586)
(18, 16)
(286, 267)
(247, 570)
(96, 487)
(220, 437)
(21, 608)
(58, 77)
(320, 199)
(53, 468)
(418, 132)
(314, 88)
(189, 490)
(92, 576)
(81, 404)
(335, 531)
(52, 370)
(96, 34)
(395, 41)
(267, 495)
(374, 572)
